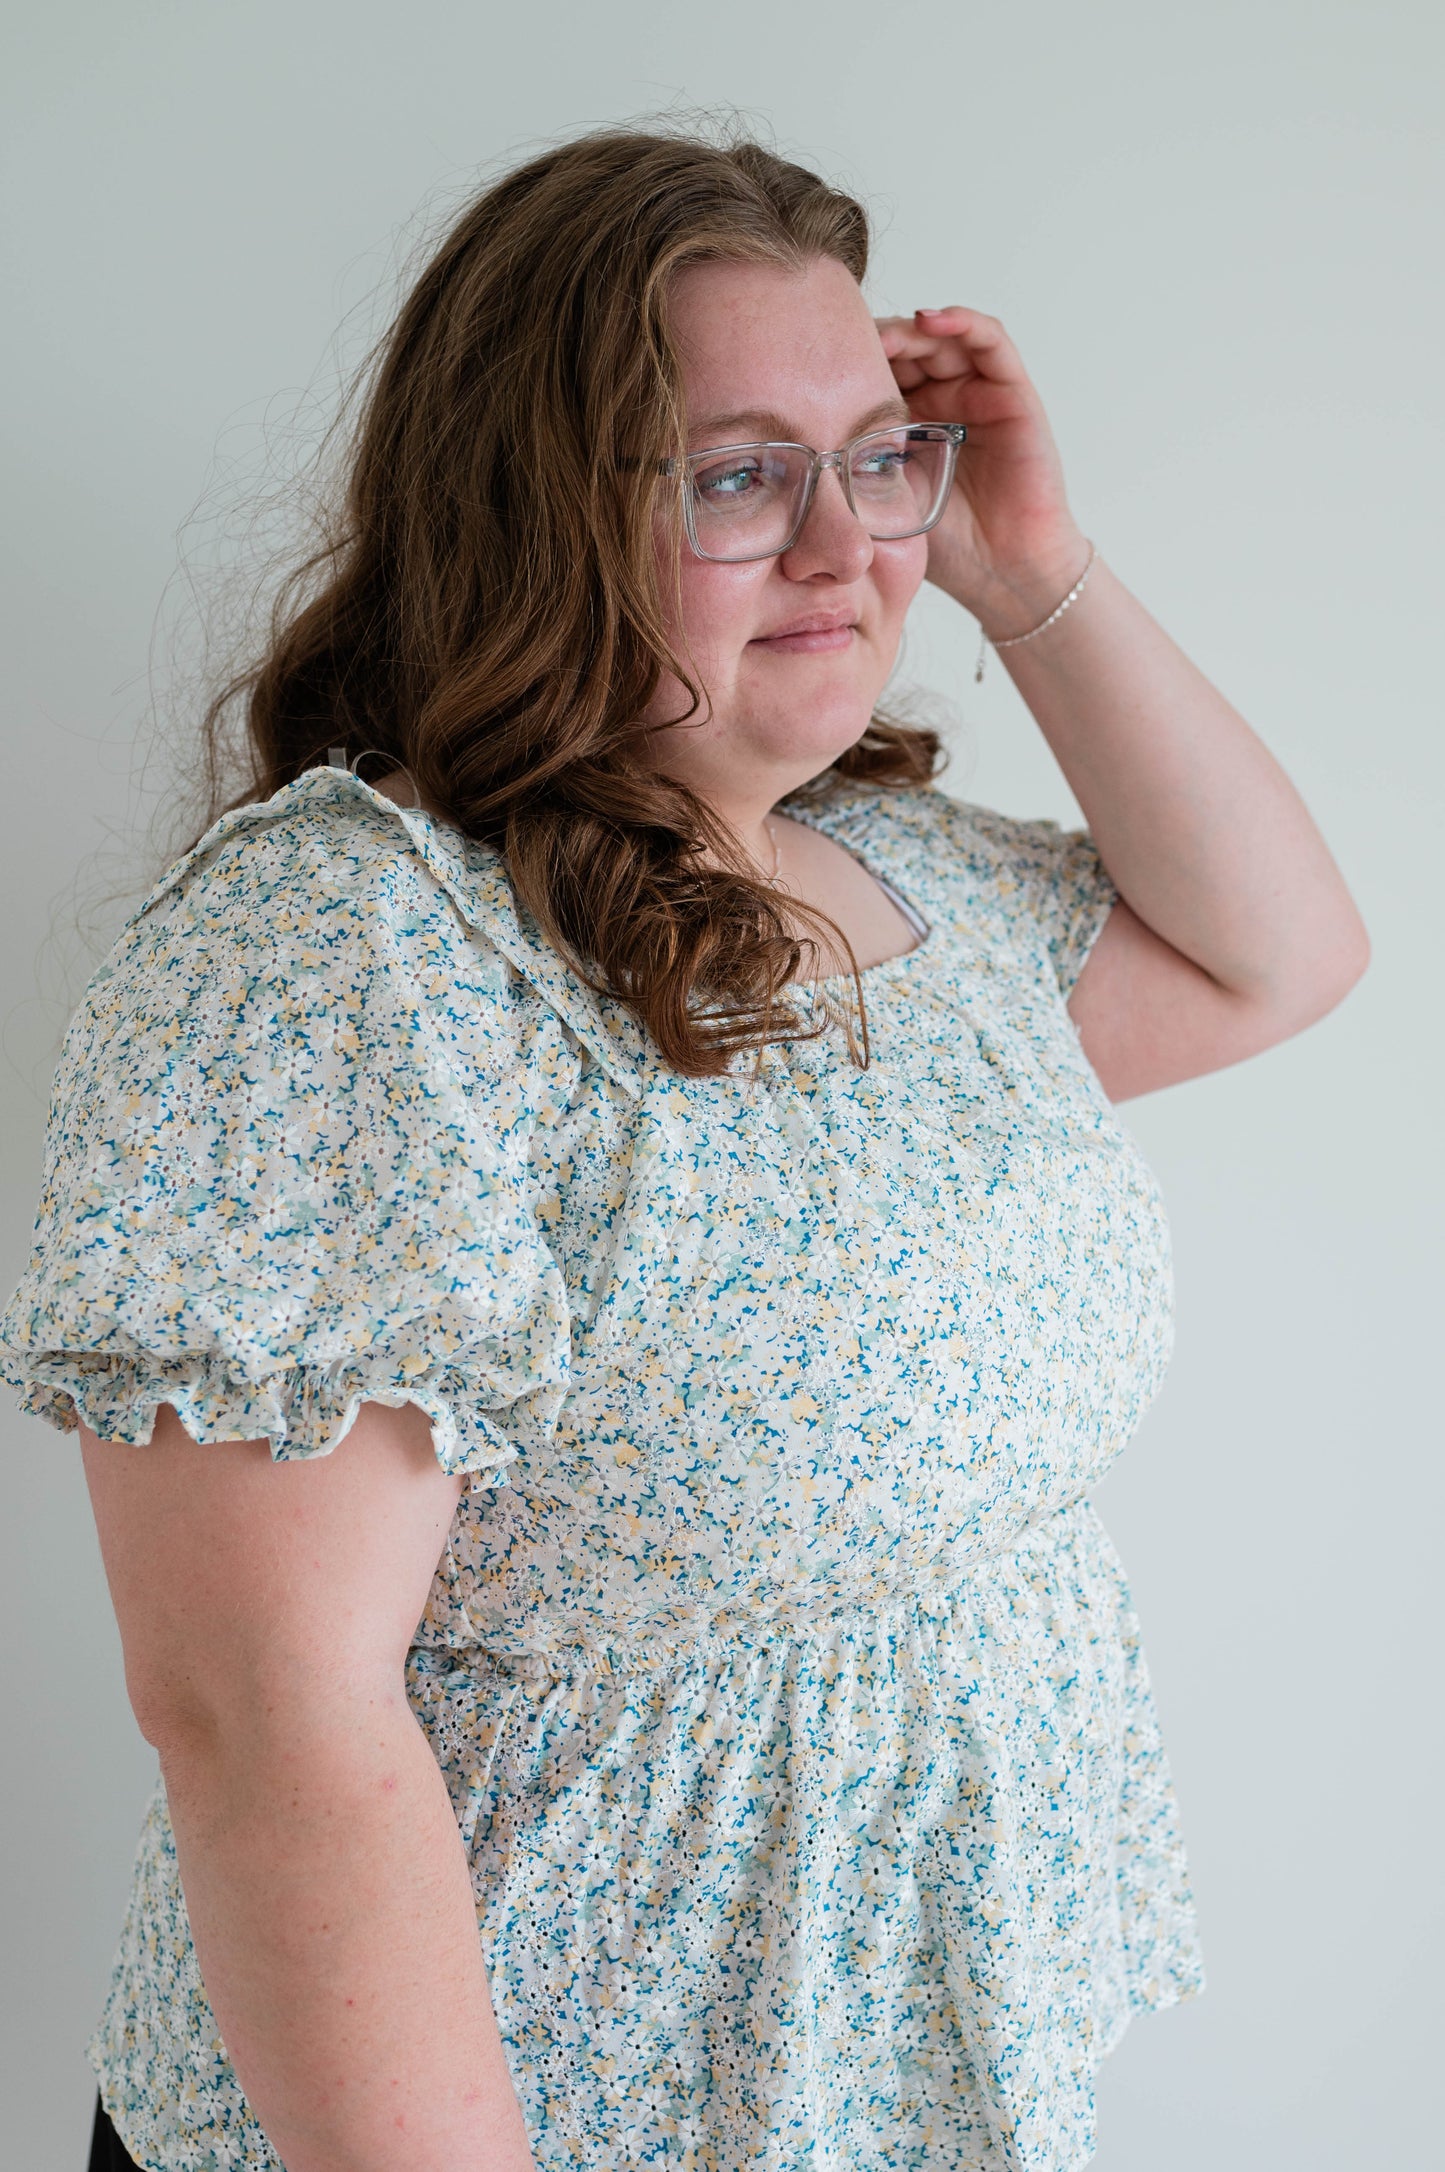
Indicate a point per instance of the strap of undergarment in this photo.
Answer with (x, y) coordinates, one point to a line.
(915, 920)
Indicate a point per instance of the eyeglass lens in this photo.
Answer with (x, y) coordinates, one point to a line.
(746, 501)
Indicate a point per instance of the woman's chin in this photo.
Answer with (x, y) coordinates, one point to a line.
(812, 698)
(811, 747)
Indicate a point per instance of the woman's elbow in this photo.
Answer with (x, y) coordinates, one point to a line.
(1346, 962)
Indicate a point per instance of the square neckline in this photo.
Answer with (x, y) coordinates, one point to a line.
(882, 967)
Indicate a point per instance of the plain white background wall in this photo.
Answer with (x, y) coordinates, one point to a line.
(1212, 231)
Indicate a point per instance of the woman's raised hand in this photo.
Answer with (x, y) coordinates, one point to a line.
(1007, 546)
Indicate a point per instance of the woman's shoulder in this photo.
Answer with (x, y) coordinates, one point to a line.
(320, 860)
(941, 835)
(928, 813)
(1025, 886)
(329, 899)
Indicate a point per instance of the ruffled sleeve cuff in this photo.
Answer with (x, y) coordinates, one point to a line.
(301, 1410)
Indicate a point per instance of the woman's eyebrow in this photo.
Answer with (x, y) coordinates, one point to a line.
(770, 424)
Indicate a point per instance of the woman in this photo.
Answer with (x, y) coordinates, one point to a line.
(667, 1146)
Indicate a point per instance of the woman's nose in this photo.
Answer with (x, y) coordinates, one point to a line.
(832, 539)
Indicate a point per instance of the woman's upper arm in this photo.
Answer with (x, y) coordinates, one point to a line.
(1150, 1017)
(244, 1586)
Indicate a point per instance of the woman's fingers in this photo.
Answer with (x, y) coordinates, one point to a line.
(953, 342)
(909, 375)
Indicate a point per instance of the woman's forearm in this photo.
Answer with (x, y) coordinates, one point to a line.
(1209, 843)
(1199, 826)
(332, 1911)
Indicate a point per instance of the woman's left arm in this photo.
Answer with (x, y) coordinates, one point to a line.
(1236, 929)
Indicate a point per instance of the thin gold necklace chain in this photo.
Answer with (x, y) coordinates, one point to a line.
(772, 876)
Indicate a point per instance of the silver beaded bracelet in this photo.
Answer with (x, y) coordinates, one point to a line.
(1011, 641)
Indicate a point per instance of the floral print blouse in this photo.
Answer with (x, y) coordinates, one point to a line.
(787, 1687)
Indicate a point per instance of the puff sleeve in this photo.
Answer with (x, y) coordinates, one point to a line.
(286, 1170)
(1045, 889)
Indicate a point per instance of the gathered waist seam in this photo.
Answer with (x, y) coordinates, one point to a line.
(649, 1652)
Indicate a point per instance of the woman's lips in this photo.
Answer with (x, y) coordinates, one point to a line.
(819, 641)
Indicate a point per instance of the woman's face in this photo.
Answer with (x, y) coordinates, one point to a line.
(768, 353)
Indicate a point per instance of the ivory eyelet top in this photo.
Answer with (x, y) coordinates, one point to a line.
(787, 1687)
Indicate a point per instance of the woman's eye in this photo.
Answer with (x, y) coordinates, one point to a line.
(887, 462)
(731, 482)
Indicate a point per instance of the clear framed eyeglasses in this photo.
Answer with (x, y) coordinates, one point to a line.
(750, 501)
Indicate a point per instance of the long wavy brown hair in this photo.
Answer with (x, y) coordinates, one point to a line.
(484, 607)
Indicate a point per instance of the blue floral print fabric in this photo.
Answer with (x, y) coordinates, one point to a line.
(787, 1687)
